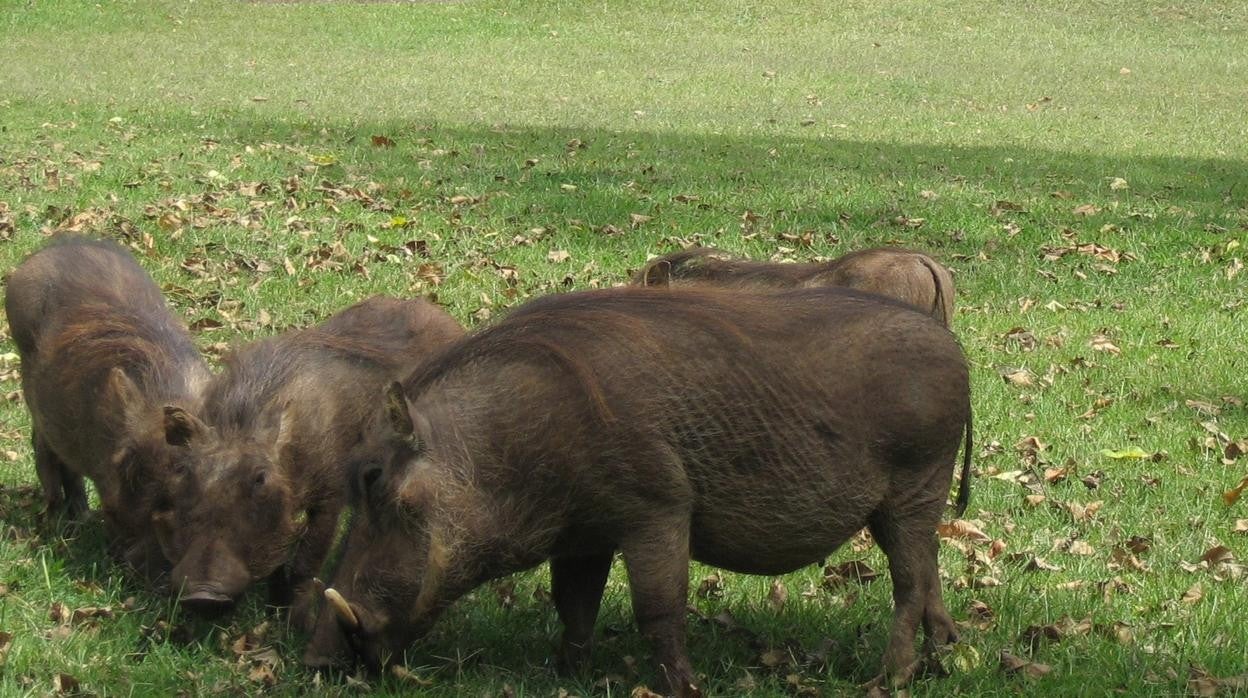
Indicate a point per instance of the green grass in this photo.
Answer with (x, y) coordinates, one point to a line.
(779, 130)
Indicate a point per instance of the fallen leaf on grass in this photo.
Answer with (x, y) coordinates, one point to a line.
(964, 658)
(712, 586)
(1102, 343)
(1121, 557)
(64, 683)
(262, 674)
(644, 692)
(962, 529)
(1065, 627)
(849, 571)
(778, 595)
(558, 256)
(1202, 683)
(404, 675)
(980, 615)
(1054, 475)
(1080, 547)
(636, 220)
(6, 641)
(1241, 526)
(1086, 210)
(1012, 664)
(1217, 554)
(1133, 452)
(1018, 376)
(775, 657)
(1083, 512)
(1033, 563)
(382, 142)
(1192, 595)
(1232, 495)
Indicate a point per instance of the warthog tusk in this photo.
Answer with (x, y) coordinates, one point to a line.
(342, 608)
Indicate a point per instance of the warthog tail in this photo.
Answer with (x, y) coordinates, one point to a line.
(964, 488)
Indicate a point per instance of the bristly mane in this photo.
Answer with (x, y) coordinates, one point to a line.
(151, 346)
(256, 373)
(549, 329)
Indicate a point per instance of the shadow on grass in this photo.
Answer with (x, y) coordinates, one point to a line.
(939, 197)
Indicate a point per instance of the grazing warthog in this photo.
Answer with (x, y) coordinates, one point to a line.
(908, 276)
(264, 480)
(101, 355)
(750, 431)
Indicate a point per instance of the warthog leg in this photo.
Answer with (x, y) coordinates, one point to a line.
(907, 535)
(657, 557)
(576, 583)
(63, 491)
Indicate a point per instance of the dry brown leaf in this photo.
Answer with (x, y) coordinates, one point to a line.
(1232, 495)
(1121, 557)
(1086, 210)
(1217, 554)
(1083, 512)
(558, 256)
(1012, 664)
(981, 614)
(775, 657)
(64, 683)
(962, 529)
(1102, 343)
(6, 641)
(1053, 475)
(404, 675)
(778, 595)
(262, 674)
(712, 585)
(1241, 526)
(1080, 547)
(849, 571)
(1020, 377)
(1192, 595)
(1202, 683)
(636, 220)
(643, 692)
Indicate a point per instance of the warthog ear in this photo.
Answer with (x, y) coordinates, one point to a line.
(127, 394)
(181, 427)
(658, 274)
(397, 413)
(285, 430)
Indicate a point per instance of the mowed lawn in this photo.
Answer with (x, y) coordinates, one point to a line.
(1081, 166)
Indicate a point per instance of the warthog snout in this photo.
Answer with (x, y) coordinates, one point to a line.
(210, 579)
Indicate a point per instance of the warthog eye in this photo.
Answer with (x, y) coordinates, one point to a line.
(261, 478)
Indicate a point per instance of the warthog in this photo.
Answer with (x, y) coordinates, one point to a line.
(101, 355)
(751, 431)
(264, 481)
(908, 276)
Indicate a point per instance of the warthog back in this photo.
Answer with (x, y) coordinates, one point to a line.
(909, 276)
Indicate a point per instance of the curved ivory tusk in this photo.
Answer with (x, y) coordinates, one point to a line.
(342, 608)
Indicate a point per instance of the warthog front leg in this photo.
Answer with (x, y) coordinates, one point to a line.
(576, 583)
(63, 490)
